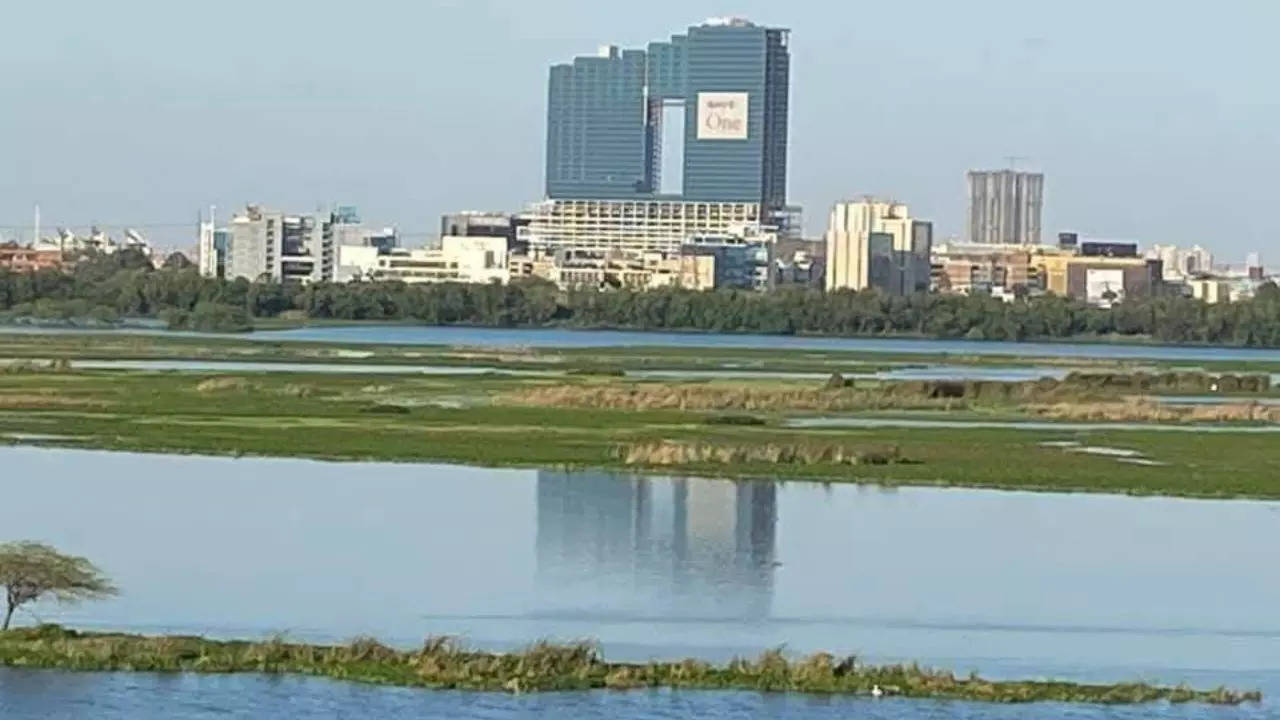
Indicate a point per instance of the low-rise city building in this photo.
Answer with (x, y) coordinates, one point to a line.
(1211, 290)
(20, 258)
(965, 269)
(268, 244)
(799, 262)
(485, 224)
(1182, 264)
(1099, 273)
(701, 264)
(463, 259)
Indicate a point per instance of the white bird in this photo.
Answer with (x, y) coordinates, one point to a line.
(876, 691)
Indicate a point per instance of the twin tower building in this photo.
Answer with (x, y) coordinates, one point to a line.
(611, 125)
(679, 143)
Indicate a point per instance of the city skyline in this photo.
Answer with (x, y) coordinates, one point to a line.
(143, 141)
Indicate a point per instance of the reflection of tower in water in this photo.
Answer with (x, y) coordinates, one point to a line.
(655, 546)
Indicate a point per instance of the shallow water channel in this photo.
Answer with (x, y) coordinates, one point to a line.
(1091, 587)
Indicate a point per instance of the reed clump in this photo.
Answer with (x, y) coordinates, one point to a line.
(1143, 410)
(837, 394)
(1189, 382)
(24, 367)
(713, 398)
(224, 384)
(40, 401)
(670, 452)
(443, 663)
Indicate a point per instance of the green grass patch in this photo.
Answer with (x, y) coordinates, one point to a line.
(441, 663)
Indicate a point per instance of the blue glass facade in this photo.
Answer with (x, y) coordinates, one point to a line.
(598, 140)
(738, 59)
(604, 117)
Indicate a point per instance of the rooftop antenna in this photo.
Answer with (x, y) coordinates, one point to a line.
(35, 238)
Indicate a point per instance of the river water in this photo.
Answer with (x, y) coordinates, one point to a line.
(1087, 587)
(928, 372)
(527, 337)
(424, 335)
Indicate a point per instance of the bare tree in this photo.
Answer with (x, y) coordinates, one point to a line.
(30, 571)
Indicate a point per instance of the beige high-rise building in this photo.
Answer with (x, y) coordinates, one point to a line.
(876, 243)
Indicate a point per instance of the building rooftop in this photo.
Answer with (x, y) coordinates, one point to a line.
(729, 21)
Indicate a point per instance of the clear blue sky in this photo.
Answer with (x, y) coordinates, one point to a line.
(1152, 121)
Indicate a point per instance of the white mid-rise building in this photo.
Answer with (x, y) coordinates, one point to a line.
(271, 245)
(635, 226)
(467, 259)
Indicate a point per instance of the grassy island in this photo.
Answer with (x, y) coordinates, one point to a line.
(1099, 428)
(443, 664)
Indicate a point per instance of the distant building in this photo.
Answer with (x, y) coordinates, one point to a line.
(800, 262)
(1005, 207)
(1211, 290)
(1001, 270)
(467, 259)
(727, 84)
(97, 240)
(221, 241)
(207, 256)
(877, 244)
(1099, 273)
(1107, 248)
(17, 258)
(1099, 280)
(735, 263)
(1181, 264)
(637, 226)
(211, 250)
(487, 224)
(271, 245)
(707, 263)
(346, 228)
(1253, 267)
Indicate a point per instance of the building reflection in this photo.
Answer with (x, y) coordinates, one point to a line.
(639, 546)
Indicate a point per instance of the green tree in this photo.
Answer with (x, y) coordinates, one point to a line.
(30, 571)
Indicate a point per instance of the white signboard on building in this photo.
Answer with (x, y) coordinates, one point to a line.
(1104, 288)
(722, 115)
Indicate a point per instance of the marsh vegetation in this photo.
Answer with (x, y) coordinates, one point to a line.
(442, 663)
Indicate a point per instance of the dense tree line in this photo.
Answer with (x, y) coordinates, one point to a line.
(126, 284)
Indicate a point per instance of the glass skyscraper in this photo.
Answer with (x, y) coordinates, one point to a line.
(731, 78)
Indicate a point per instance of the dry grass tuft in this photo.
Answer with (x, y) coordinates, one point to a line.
(695, 396)
(668, 452)
(224, 384)
(1143, 410)
(33, 401)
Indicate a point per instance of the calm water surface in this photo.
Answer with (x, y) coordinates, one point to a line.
(930, 372)
(1086, 587)
(26, 695)
(420, 335)
(499, 337)
(1037, 425)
